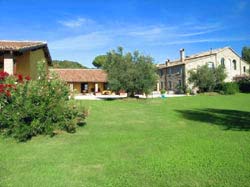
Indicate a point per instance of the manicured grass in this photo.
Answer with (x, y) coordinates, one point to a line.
(189, 141)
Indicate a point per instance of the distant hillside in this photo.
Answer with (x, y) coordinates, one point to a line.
(67, 64)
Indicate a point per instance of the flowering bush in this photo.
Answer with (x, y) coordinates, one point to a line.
(3, 75)
(32, 107)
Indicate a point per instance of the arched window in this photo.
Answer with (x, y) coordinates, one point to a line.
(235, 64)
(210, 64)
(222, 62)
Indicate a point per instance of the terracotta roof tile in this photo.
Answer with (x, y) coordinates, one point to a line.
(81, 75)
(22, 46)
(19, 45)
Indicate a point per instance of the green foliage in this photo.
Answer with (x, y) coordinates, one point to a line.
(244, 84)
(206, 78)
(246, 54)
(134, 73)
(38, 107)
(163, 92)
(196, 141)
(229, 88)
(66, 64)
(99, 61)
(180, 89)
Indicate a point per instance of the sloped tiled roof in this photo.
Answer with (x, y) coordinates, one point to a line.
(191, 57)
(19, 45)
(81, 75)
(206, 53)
(22, 46)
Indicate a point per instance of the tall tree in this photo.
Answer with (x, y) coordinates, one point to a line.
(246, 54)
(99, 61)
(206, 78)
(67, 64)
(131, 72)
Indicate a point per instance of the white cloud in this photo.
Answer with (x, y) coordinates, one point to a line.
(103, 38)
(174, 42)
(133, 36)
(74, 23)
(89, 41)
(147, 32)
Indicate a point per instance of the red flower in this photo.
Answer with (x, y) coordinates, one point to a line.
(3, 75)
(8, 94)
(20, 78)
(27, 78)
(2, 88)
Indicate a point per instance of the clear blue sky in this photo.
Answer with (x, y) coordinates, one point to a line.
(81, 30)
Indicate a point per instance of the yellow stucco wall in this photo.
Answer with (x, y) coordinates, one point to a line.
(101, 86)
(35, 57)
(26, 64)
(77, 87)
(91, 87)
(22, 64)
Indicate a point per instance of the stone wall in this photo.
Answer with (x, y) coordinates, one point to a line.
(162, 78)
(228, 55)
(175, 76)
(195, 63)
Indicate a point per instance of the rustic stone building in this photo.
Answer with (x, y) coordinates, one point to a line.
(176, 73)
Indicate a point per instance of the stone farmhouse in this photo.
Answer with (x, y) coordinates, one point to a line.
(21, 57)
(176, 73)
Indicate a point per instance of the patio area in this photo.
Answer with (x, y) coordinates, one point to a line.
(112, 96)
(98, 97)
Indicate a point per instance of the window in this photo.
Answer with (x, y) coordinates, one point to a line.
(180, 70)
(162, 85)
(84, 87)
(244, 69)
(180, 83)
(235, 64)
(222, 62)
(170, 85)
(161, 72)
(106, 86)
(169, 71)
(210, 64)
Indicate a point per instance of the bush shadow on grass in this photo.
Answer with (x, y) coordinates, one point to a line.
(229, 119)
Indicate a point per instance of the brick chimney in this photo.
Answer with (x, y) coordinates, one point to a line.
(182, 55)
(167, 62)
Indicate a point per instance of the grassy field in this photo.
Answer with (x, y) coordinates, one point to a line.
(188, 141)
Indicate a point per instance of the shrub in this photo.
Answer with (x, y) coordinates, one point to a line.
(32, 107)
(180, 89)
(244, 83)
(244, 86)
(163, 92)
(228, 88)
(206, 78)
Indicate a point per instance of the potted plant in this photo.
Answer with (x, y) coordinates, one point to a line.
(163, 92)
(188, 91)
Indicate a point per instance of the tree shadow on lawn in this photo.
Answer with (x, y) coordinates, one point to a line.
(229, 119)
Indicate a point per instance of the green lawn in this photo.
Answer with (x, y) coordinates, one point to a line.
(188, 141)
